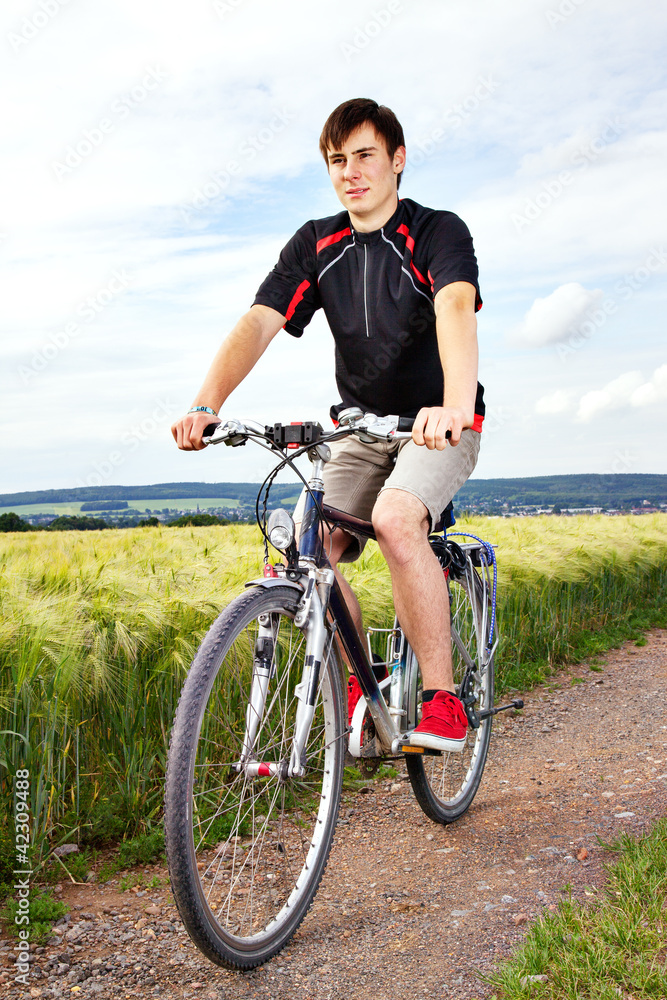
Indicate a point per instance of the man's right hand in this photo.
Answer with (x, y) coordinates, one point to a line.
(188, 430)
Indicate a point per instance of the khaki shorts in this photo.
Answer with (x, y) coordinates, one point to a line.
(357, 473)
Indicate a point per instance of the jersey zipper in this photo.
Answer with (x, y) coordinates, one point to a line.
(366, 289)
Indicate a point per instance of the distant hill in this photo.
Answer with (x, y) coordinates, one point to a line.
(616, 490)
(158, 491)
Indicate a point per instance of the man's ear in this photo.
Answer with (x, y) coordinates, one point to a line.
(399, 159)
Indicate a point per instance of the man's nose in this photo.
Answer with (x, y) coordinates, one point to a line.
(351, 170)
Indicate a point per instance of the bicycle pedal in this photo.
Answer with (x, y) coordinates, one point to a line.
(408, 748)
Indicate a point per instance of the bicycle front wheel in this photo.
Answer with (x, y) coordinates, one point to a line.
(247, 850)
(445, 785)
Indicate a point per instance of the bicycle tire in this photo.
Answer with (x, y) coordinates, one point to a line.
(445, 785)
(246, 855)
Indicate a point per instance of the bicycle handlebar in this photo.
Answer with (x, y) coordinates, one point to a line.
(364, 425)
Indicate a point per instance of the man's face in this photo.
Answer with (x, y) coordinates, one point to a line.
(364, 176)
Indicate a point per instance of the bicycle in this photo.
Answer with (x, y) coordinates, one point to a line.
(260, 736)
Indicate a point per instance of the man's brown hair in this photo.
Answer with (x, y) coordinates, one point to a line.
(351, 115)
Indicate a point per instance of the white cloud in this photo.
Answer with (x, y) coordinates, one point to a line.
(628, 389)
(653, 391)
(614, 395)
(554, 318)
(559, 401)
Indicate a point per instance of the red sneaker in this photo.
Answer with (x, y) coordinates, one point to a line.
(354, 691)
(444, 724)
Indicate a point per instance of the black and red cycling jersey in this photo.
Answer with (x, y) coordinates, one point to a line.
(377, 291)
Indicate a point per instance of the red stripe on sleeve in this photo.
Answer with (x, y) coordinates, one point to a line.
(410, 244)
(477, 422)
(420, 276)
(298, 295)
(326, 241)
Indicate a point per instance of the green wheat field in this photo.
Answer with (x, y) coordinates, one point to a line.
(97, 631)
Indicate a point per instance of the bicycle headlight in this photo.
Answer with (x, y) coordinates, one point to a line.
(281, 529)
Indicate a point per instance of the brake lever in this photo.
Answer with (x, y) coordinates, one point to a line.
(381, 429)
(231, 432)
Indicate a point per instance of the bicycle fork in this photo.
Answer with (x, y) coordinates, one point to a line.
(263, 669)
(310, 617)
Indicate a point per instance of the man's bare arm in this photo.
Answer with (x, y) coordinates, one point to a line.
(456, 328)
(238, 355)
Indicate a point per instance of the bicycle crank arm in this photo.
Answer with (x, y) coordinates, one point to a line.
(485, 713)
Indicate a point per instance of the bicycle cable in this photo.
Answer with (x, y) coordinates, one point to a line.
(491, 556)
(287, 460)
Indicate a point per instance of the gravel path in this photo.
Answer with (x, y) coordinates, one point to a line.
(407, 908)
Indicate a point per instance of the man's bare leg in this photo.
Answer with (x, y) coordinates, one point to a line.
(401, 523)
(334, 546)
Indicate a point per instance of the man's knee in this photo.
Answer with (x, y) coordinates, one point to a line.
(400, 519)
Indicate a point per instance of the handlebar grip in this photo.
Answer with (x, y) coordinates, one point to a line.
(406, 424)
(208, 430)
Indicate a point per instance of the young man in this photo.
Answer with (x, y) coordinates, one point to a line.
(398, 285)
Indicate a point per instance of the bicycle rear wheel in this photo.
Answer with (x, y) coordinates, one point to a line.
(445, 785)
(246, 853)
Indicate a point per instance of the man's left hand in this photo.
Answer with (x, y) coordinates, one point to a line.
(432, 423)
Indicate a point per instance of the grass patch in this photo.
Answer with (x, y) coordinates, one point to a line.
(145, 849)
(44, 910)
(142, 850)
(7, 863)
(73, 866)
(353, 779)
(613, 947)
(140, 881)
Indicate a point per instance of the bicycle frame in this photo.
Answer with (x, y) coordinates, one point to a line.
(310, 550)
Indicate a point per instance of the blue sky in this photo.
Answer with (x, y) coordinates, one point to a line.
(158, 157)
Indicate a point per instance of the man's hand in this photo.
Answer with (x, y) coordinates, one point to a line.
(432, 423)
(188, 430)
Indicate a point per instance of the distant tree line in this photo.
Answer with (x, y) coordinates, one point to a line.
(74, 522)
(105, 505)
